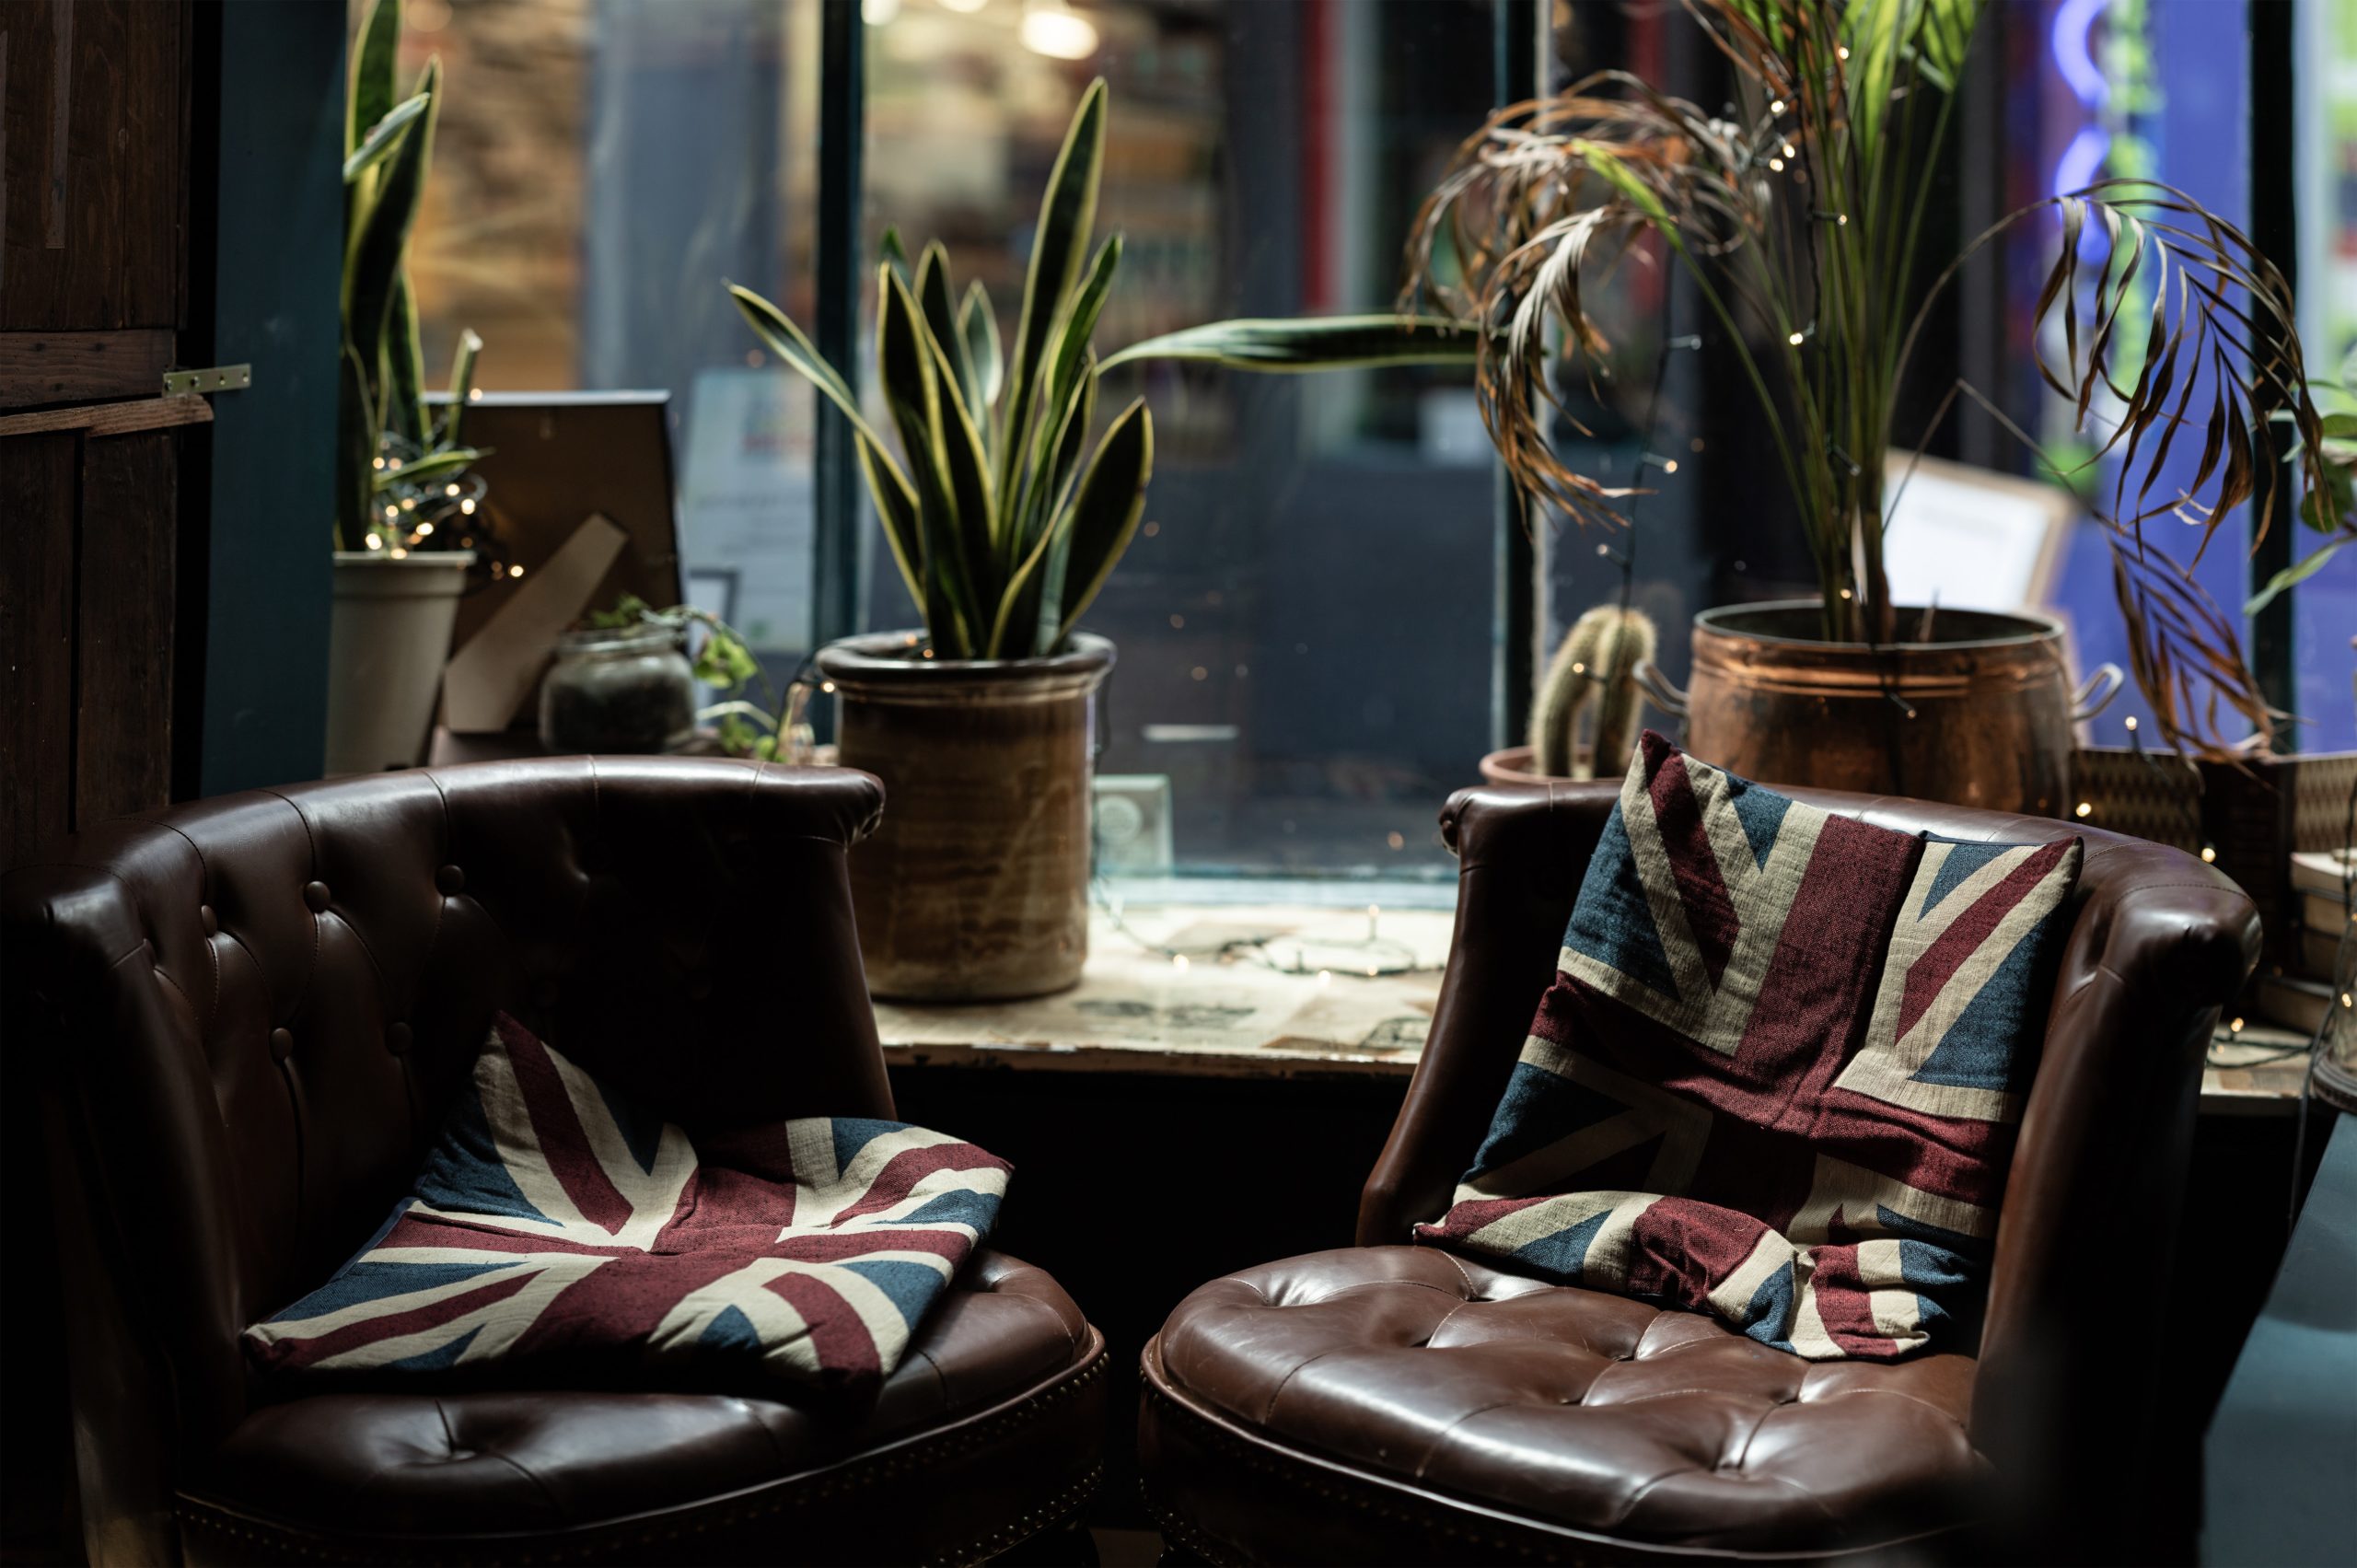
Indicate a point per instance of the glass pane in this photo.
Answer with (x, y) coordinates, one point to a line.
(1304, 623)
(600, 167)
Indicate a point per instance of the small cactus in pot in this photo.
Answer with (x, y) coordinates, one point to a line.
(1597, 662)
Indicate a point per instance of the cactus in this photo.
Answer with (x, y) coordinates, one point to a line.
(1599, 659)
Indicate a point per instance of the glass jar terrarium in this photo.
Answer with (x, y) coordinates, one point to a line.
(622, 689)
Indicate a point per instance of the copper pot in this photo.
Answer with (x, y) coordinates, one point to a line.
(975, 886)
(1981, 716)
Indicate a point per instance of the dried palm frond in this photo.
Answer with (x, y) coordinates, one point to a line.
(1798, 220)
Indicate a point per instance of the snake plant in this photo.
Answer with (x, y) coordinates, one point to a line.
(1003, 517)
(396, 462)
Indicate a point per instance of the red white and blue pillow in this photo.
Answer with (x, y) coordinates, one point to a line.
(1779, 1072)
(555, 1221)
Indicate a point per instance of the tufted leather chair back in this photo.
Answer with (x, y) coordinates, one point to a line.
(2159, 942)
(249, 1013)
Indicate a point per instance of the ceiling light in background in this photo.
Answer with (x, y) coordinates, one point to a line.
(1053, 28)
(876, 13)
(968, 6)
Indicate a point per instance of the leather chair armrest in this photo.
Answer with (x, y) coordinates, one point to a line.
(1521, 850)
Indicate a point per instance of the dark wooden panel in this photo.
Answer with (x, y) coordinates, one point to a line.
(64, 367)
(123, 740)
(113, 419)
(37, 486)
(93, 126)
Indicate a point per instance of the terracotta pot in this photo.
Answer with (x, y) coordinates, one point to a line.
(1983, 716)
(975, 887)
(1515, 765)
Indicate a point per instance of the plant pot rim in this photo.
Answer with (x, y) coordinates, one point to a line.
(879, 662)
(416, 560)
(2032, 626)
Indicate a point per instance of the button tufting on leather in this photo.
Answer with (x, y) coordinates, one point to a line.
(212, 922)
(314, 894)
(282, 1044)
(397, 1039)
(450, 880)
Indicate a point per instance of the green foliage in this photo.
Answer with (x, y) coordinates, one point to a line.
(1004, 518)
(389, 443)
(725, 663)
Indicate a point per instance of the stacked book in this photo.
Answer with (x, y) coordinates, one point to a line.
(2318, 976)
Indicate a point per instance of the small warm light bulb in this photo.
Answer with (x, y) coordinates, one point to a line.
(2234, 1028)
(2084, 809)
(1178, 962)
(1177, 622)
(380, 462)
(474, 394)
(1845, 593)
(2131, 721)
(1777, 106)
(2209, 854)
(1578, 669)
(1670, 467)
(1841, 51)
(466, 507)
(1796, 338)
(424, 530)
(397, 554)
(376, 542)
(1777, 164)
(1791, 151)
(2347, 999)
(409, 503)
(394, 464)
(517, 570)
(1325, 977)
(828, 686)
(449, 489)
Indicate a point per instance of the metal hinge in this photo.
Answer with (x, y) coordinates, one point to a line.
(220, 379)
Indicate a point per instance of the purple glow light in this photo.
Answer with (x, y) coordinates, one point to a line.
(2074, 20)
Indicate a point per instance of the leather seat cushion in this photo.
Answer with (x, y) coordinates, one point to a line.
(463, 1463)
(1572, 1409)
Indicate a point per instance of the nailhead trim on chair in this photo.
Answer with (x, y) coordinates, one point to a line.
(1059, 1509)
(617, 1543)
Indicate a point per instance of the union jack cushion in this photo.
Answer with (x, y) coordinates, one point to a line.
(1777, 1073)
(554, 1220)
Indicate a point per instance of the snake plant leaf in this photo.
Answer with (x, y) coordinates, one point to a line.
(979, 326)
(894, 251)
(462, 386)
(896, 505)
(1105, 512)
(372, 92)
(431, 467)
(1325, 342)
(941, 324)
(405, 413)
(383, 137)
(355, 447)
(375, 263)
(1067, 214)
(1067, 356)
(963, 461)
(1040, 550)
(783, 339)
(905, 367)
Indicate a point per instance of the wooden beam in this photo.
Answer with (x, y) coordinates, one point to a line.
(113, 419)
(71, 367)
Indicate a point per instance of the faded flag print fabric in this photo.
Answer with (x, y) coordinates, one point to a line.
(555, 1220)
(1777, 1073)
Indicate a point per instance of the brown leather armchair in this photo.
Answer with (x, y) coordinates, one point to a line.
(248, 1012)
(1389, 1403)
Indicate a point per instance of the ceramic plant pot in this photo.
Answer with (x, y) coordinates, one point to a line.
(1982, 715)
(975, 887)
(388, 640)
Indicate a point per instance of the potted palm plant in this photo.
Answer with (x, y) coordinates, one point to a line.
(1798, 214)
(405, 497)
(1006, 511)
